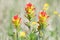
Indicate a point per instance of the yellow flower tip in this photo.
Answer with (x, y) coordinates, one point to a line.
(22, 34)
(46, 4)
(33, 23)
(55, 12)
(45, 7)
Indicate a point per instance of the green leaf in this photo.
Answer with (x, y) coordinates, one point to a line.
(28, 24)
(33, 36)
(10, 30)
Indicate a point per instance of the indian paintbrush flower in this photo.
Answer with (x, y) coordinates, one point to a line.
(42, 16)
(30, 11)
(42, 22)
(42, 19)
(16, 20)
(29, 8)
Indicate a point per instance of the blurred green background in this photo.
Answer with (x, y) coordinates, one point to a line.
(9, 8)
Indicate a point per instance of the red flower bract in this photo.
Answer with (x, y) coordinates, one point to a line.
(29, 5)
(43, 13)
(16, 17)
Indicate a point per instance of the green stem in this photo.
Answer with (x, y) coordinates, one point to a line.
(16, 34)
(43, 36)
(56, 25)
(39, 36)
(56, 34)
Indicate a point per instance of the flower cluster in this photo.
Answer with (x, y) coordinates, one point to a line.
(33, 25)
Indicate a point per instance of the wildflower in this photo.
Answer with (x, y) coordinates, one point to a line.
(16, 20)
(22, 34)
(30, 11)
(55, 12)
(43, 16)
(29, 8)
(34, 23)
(45, 7)
(42, 20)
